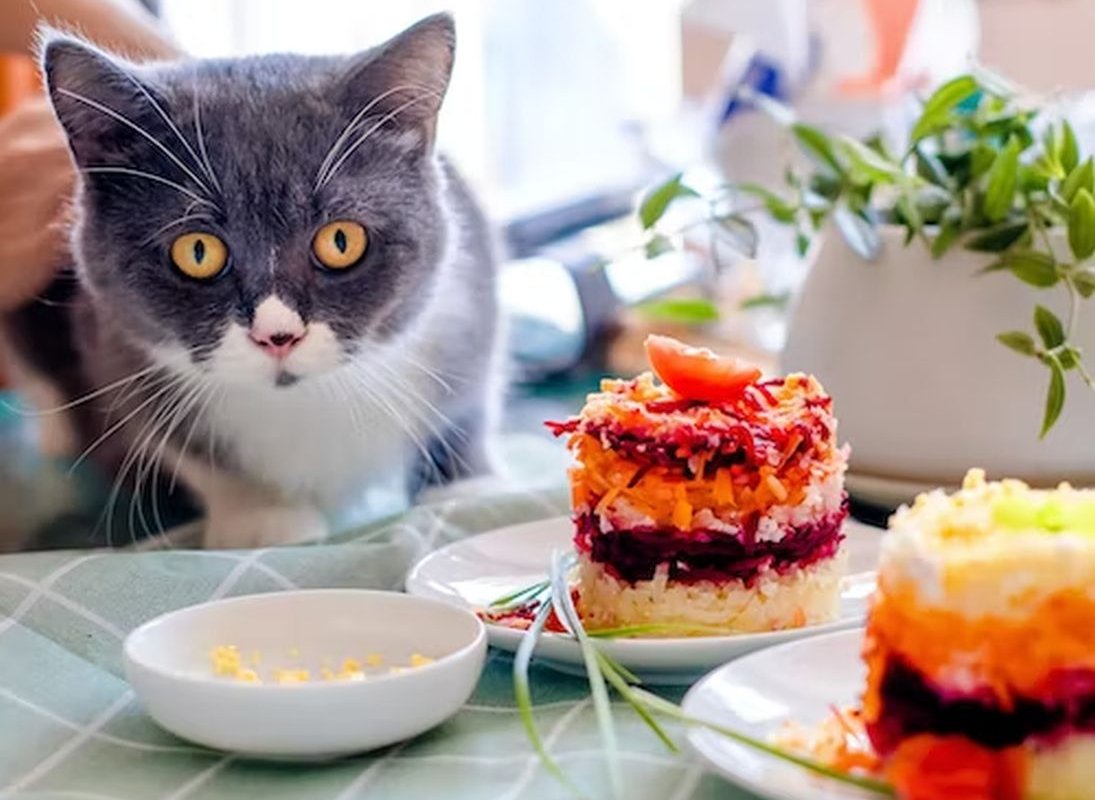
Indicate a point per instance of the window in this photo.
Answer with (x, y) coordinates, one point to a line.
(549, 99)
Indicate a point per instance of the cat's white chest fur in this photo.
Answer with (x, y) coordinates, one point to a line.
(324, 440)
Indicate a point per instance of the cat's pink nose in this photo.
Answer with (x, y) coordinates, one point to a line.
(276, 328)
(278, 344)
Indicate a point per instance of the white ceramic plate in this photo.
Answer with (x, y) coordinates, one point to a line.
(796, 681)
(476, 571)
(167, 661)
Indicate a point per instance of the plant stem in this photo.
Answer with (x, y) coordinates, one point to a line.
(661, 706)
(1073, 307)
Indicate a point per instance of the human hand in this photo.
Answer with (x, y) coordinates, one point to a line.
(36, 182)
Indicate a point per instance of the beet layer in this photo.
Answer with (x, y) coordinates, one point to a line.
(705, 555)
(910, 705)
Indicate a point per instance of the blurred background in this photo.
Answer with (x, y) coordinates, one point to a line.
(562, 113)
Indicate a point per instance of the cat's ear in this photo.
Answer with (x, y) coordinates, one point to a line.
(98, 99)
(404, 79)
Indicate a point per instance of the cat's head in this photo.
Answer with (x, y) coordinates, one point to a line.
(260, 219)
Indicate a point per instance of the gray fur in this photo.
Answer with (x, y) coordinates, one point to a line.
(262, 176)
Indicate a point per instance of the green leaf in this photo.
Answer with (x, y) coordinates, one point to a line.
(932, 203)
(765, 301)
(817, 145)
(870, 164)
(686, 311)
(739, 232)
(858, 232)
(1048, 168)
(1084, 281)
(657, 245)
(1018, 341)
(826, 186)
(1070, 150)
(998, 238)
(780, 209)
(910, 216)
(1081, 225)
(1069, 358)
(1002, 179)
(802, 244)
(947, 236)
(1055, 397)
(930, 168)
(657, 200)
(1031, 180)
(1082, 177)
(1049, 327)
(1030, 266)
(937, 109)
(981, 159)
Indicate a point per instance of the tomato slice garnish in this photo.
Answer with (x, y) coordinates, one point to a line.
(696, 373)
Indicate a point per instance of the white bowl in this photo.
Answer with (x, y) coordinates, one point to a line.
(167, 661)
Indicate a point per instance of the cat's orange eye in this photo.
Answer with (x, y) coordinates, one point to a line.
(340, 244)
(199, 255)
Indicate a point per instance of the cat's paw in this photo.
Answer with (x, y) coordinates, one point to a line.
(264, 527)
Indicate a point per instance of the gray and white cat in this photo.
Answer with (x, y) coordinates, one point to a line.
(284, 294)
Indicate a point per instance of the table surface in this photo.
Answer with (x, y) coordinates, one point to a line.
(71, 727)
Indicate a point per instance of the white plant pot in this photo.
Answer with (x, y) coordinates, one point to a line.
(923, 391)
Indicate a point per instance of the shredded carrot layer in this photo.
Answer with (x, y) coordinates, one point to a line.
(1009, 656)
(601, 477)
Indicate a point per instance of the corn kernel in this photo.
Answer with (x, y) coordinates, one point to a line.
(292, 676)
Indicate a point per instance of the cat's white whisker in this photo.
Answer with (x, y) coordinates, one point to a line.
(109, 432)
(143, 474)
(344, 135)
(435, 374)
(110, 112)
(177, 417)
(132, 452)
(413, 397)
(172, 126)
(106, 517)
(409, 424)
(127, 393)
(199, 134)
(417, 404)
(164, 228)
(345, 393)
(118, 384)
(207, 398)
(365, 136)
(136, 173)
(379, 400)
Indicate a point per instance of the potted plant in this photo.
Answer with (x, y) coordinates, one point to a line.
(943, 310)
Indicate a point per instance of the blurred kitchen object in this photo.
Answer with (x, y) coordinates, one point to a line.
(565, 303)
(1044, 45)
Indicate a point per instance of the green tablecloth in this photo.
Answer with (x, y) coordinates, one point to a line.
(71, 728)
